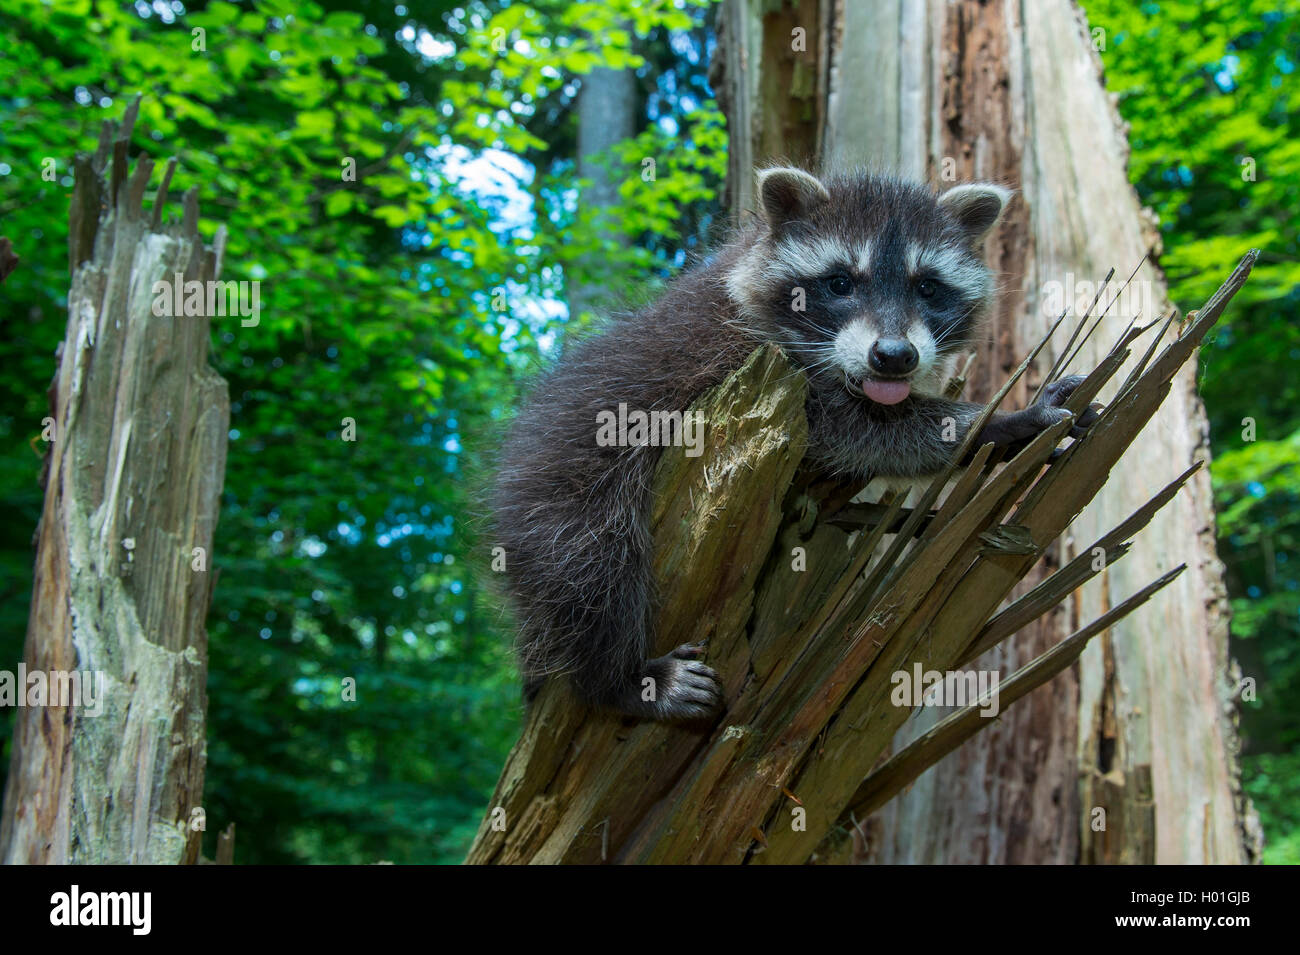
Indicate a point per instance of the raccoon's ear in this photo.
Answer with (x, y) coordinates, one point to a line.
(977, 207)
(787, 194)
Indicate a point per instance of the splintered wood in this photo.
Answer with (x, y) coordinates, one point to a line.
(811, 606)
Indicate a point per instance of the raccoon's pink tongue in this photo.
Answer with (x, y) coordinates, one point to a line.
(886, 392)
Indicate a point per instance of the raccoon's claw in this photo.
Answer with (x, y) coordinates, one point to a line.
(1014, 430)
(1086, 420)
(1058, 392)
(696, 687)
(691, 689)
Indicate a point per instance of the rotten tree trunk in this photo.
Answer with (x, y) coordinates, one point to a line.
(122, 584)
(948, 92)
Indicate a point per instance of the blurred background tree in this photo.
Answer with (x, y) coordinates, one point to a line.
(415, 297)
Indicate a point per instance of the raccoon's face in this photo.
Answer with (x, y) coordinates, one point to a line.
(871, 282)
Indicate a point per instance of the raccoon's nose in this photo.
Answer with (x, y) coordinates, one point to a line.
(893, 356)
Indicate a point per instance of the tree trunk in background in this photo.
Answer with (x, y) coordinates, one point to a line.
(1144, 728)
(122, 580)
(606, 116)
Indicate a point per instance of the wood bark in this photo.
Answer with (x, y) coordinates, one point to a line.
(122, 581)
(1144, 728)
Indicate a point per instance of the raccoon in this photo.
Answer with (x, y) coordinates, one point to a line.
(892, 283)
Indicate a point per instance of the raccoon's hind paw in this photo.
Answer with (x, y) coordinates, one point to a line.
(683, 688)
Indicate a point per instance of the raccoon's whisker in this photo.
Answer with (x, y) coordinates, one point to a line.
(826, 362)
(946, 335)
(830, 333)
(808, 369)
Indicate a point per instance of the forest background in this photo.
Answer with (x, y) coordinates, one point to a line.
(419, 300)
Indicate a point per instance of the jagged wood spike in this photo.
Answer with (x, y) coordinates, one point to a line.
(218, 254)
(986, 507)
(104, 147)
(160, 198)
(120, 167)
(894, 558)
(1104, 312)
(864, 551)
(136, 186)
(966, 491)
(1141, 400)
(971, 480)
(1173, 356)
(867, 515)
(922, 753)
(83, 215)
(867, 550)
(190, 213)
(957, 383)
(1097, 379)
(1066, 580)
(1059, 365)
(1151, 350)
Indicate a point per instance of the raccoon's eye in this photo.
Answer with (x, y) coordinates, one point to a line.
(927, 288)
(840, 284)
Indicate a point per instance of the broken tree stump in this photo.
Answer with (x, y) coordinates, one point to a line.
(123, 579)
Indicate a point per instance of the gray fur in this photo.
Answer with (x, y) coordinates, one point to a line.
(572, 515)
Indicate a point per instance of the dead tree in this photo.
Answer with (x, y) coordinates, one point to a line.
(122, 583)
(811, 604)
(946, 91)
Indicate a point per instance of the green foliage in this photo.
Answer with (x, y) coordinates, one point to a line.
(381, 298)
(1271, 787)
(1212, 96)
(382, 301)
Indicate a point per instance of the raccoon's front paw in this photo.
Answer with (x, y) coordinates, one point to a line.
(1015, 429)
(1058, 392)
(681, 688)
